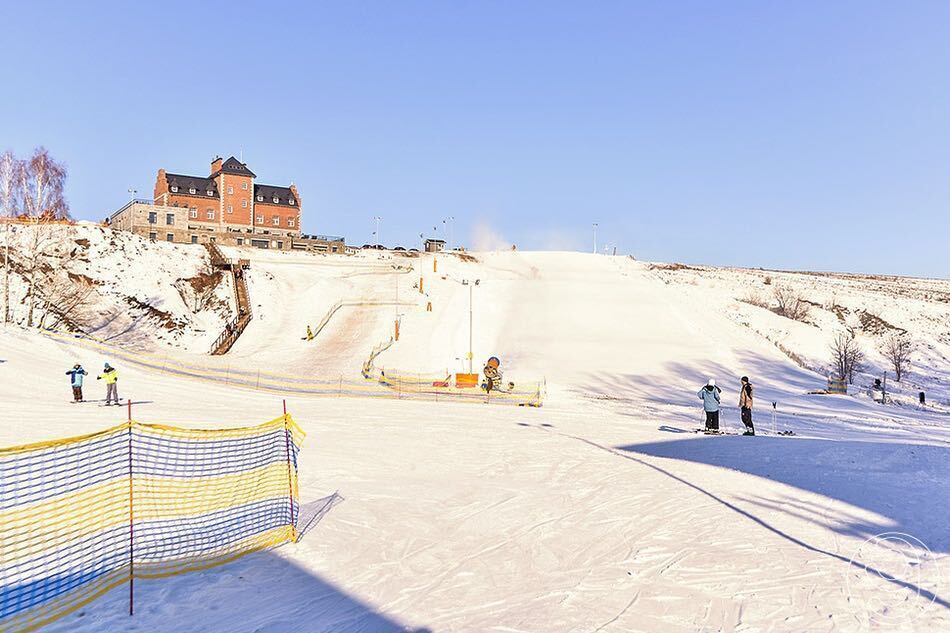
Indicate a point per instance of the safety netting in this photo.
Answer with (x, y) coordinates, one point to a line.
(83, 515)
(373, 383)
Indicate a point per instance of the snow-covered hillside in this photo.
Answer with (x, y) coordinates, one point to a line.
(600, 511)
(116, 286)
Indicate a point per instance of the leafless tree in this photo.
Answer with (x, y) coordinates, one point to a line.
(199, 292)
(64, 300)
(789, 304)
(10, 168)
(45, 247)
(897, 348)
(42, 184)
(846, 355)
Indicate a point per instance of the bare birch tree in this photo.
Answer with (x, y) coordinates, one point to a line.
(10, 168)
(897, 348)
(42, 180)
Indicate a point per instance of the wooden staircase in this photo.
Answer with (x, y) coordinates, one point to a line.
(235, 327)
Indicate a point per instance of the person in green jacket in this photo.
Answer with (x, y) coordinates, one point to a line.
(111, 376)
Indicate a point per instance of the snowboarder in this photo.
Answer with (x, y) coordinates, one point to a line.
(745, 405)
(75, 381)
(309, 334)
(111, 376)
(710, 397)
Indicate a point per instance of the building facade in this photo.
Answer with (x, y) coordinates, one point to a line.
(227, 207)
(229, 199)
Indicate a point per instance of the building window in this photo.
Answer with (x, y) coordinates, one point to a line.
(193, 212)
(174, 188)
(194, 239)
(290, 201)
(169, 237)
(152, 217)
(276, 200)
(230, 189)
(260, 219)
(240, 241)
(276, 221)
(192, 190)
(244, 203)
(230, 209)
(210, 193)
(169, 218)
(260, 198)
(152, 236)
(244, 186)
(290, 222)
(210, 214)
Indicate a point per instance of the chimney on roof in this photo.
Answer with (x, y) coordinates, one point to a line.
(216, 164)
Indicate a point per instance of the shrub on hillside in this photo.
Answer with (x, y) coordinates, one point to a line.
(790, 304)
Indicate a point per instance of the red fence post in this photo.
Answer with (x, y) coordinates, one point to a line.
(131, 523)
(290, 481)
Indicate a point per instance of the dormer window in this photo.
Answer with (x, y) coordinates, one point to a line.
(210, 193)
(174, 188)
(290, 201)
(260, 198)
(192, 190)
(276, 200)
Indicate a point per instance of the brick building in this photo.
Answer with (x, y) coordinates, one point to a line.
(226, 207)
(229, 198)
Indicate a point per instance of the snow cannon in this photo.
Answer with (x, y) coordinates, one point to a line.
(492, 373)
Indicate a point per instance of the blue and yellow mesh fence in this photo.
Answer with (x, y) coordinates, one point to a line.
(83, 515)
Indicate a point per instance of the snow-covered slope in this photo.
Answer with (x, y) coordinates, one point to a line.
(601, 511)
(118, 286)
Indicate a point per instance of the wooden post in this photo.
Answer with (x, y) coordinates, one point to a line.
(421, 291)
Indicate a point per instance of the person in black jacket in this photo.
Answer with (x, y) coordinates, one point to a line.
(745, 405)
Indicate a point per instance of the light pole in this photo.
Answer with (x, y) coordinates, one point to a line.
(376, 233)
(451, 222)
(132, 193)
(595, 238)
(471, 319)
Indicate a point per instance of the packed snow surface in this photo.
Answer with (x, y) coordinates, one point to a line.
(600, 511)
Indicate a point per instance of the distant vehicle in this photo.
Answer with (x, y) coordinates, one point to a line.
(367, 246)
(413, 250)
(398, 248)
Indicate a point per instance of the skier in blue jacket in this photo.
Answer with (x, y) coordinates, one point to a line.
(75, 381)
(710, 397)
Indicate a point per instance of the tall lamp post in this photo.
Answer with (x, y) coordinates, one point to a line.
(132, 193)
(451, 222)
(378, 220)
(471, 355)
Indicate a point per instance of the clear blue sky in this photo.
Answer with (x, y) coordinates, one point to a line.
(796, 135)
